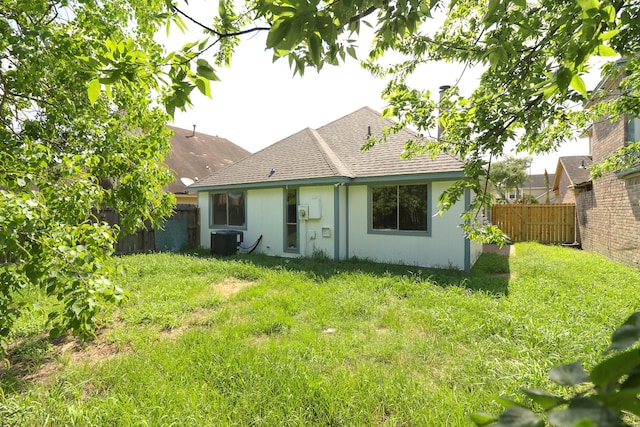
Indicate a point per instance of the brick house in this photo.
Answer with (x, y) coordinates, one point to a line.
(572, 176)
(608, 210)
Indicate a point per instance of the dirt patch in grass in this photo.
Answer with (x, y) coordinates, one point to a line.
(230, 286)
(225, 289)
(38, 358)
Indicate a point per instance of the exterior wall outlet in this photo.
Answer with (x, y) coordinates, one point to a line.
(303, 212)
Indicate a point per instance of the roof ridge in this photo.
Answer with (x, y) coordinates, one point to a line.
(350, 114)
(333, 160)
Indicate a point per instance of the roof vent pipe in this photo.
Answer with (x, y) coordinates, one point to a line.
(442, 91)
(193, 133)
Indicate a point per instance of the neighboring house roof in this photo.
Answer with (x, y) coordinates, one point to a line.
(332, 151)
(195, 155)
(576, 168)
(537, 181)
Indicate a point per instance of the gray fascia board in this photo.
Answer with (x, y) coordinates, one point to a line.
(627, 172)
(275, 184)
(437, 176)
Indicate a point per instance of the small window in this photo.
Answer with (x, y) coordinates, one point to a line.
(228, 209)
(399, 207)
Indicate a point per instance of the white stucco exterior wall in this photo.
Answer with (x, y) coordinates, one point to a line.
(476, 251)
(266, 217)
(444, 248)
(311, 230)
(341, 231)
(205, 232)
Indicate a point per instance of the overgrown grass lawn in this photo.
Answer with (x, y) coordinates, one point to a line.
(273, 342)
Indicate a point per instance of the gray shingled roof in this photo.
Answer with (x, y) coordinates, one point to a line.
(537, 180)
(332, 151)
(196, 155)
(576, 168)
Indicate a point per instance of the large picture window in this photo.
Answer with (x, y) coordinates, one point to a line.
(228, 209)
(399, 207)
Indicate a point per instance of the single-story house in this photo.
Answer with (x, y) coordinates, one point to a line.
(195, 155)
(317, 192)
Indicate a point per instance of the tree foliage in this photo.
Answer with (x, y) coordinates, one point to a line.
(509, 175)
(69, 149)
(534, 56)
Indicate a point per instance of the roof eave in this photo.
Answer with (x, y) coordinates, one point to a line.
(628, 172)
(433, 176)
(332, 180)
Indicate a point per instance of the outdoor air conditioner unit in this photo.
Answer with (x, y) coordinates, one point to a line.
(303, 212)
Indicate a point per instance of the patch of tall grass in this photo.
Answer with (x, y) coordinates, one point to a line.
(299, 342)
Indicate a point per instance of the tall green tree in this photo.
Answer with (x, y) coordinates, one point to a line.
(68, 149)
(509, 175)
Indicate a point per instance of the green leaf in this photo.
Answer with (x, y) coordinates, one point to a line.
(570, 374)
(278, 33)
(604, 50)
(615, 367)
(588, 4)
(627, 334)
(207, 72)
(623, 400)
(483, 419)
(490, 16)
(584, 412)
(497, 56)
(203, 86)
(563, 78)
(609, 34)
(93, 90)
(507, 403)
(578, 84)
(544, 399)
(315, 48)
(519, 417)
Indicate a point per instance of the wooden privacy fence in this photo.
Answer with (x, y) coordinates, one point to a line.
(180, 232)
(553, 223)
